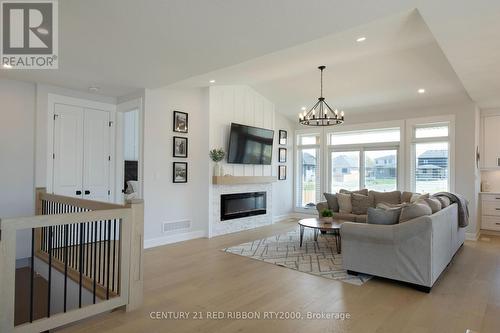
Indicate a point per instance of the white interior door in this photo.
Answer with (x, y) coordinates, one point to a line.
(68, 150)
(96, 155)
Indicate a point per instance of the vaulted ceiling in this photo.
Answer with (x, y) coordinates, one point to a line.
(123, 45)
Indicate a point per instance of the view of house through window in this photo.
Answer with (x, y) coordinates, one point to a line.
(431, 172)
(371, 163)
(381, 170)
(431, 158)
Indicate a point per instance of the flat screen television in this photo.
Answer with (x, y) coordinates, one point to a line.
(250, 145)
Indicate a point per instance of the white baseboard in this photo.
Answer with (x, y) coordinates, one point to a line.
(169, 239)
(472, 236)
(283, 217)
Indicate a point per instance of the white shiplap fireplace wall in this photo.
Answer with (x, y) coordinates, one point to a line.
(243, 105)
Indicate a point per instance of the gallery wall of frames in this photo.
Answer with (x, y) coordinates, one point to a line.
(180, 147)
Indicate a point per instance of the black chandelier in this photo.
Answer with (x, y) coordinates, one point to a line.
(321, 114)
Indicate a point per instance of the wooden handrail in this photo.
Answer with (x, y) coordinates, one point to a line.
(129, 240)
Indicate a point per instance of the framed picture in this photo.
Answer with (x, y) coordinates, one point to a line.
(180, 122)
(282, 155)
(180, 172)
(283, 137)
(282, 172)
(180, 147)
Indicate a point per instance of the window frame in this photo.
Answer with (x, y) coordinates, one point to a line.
(362, 149)
(297, 151)
(412, 125)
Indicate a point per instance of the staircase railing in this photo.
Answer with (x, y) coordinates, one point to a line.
(94, 249)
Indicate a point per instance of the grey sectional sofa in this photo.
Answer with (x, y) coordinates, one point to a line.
(416, 251)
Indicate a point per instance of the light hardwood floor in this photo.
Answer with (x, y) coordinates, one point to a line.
(196, 276)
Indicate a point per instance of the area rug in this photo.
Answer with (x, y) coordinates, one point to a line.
(317, 258)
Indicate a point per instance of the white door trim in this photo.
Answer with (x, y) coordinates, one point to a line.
(134, 104)
(53, 99)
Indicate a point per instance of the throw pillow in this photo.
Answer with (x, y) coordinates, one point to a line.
(406, 196)
(345, 204)
(417, 196)
(383, 216)
(434, 203)
(413, 211)
(386, 197)
(362, 192)
(360, 203)
(333, 203)
(445, 201)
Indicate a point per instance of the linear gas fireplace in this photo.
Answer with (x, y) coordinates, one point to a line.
(238, 205)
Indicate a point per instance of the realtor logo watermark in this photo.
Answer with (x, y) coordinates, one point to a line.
(29, 34)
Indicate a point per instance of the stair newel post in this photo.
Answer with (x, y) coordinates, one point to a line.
(136, 283)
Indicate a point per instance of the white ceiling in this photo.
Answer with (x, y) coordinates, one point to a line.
(123, 45)
(399, 56)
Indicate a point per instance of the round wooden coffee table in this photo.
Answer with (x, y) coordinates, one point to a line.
(318, 226)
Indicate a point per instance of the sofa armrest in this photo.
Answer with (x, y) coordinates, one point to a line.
(321, 206)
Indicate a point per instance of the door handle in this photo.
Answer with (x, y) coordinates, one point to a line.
(78, 192)
(87, 192)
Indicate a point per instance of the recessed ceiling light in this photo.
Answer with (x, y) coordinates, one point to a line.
(93, 89)
(303, 108)
(421, 91)
(212, 81)
(7, 66)
(361, 39)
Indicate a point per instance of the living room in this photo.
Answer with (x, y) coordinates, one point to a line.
(338, 176)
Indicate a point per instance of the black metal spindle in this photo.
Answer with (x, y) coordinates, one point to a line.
(94, 245)
(109, 259)
(87, 249)
(114, 254)
(119, 256)
(32, 272)
(66, 229)
(50, 272)
(80, 267)
(99, 257)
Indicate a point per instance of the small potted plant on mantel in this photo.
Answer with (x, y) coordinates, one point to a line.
(326, 216)
(217, 155)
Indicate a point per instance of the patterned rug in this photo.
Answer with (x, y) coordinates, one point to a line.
(317, 258)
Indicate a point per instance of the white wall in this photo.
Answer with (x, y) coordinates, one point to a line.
(17, 149)
(466, 173)
(242, 105)
(283, 189)
(164, 200)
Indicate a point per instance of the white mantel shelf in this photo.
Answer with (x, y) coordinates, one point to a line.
(235, 180)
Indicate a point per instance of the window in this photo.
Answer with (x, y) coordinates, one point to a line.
(344, 170)
(381, 168)
(364, 159)
(308, 171)
(431, 158)
(367, 136)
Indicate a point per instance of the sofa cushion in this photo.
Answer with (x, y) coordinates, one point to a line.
(445, 201)
(393, 197)
(360, 203)
(345, 204)
(362, 218)
(434, 203)
(417, 196)
(363, 191)
(406, 196)
(333, 204)
(345, 217)
(412, 211)
(383, 216)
